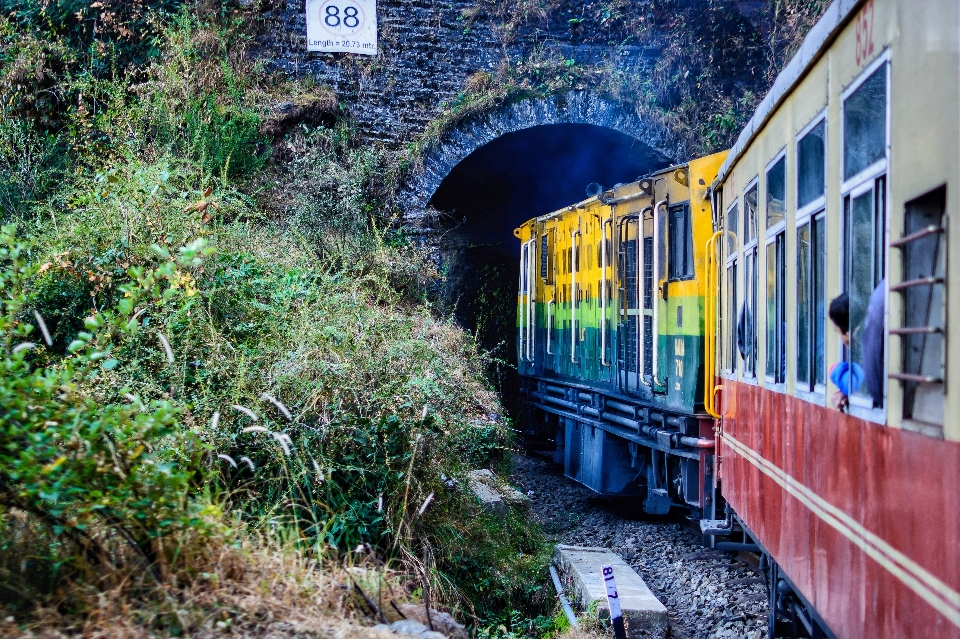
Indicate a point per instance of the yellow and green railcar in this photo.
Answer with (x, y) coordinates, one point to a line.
(610, 336)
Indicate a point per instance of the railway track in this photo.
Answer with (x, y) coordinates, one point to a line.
(709, 594)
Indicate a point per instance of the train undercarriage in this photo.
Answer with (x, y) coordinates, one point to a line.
(619, 447)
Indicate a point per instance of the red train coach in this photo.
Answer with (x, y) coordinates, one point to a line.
(841, 186)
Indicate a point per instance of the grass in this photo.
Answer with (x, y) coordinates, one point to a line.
(245, 404)
(304, 405)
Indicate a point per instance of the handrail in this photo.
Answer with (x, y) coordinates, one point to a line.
(573, 295)
(521, 304)
(709, 326)
(549, 326)
(656, 285)
(531, 297)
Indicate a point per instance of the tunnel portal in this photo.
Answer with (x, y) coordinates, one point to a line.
(515, 177)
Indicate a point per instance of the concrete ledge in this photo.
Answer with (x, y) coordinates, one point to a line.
(494, 494)
(580, 566)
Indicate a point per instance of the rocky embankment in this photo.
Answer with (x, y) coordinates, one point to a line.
(709, 594)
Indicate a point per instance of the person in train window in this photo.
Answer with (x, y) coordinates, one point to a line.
(845, 376)
(850, 375)
(872, 343)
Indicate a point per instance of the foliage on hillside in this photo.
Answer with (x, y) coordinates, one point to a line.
(224, 376)
(217, 363)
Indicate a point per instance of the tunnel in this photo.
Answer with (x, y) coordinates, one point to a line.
(500, 185)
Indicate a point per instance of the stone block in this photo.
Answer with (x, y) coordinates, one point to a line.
(580, 567)
(494, 495)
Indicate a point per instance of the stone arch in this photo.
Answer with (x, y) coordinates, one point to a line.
(574, 107)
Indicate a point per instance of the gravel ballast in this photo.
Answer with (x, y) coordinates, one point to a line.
(708, 594)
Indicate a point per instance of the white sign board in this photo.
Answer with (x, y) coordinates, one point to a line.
(344, 26)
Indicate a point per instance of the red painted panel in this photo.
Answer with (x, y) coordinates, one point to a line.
(900, 486)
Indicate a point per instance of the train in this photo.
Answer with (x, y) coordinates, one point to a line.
(761, 338)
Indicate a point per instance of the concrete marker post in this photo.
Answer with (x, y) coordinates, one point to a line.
(613, 602)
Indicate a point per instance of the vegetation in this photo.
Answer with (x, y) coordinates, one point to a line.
(218, 369)
(699, 69)
(231, 396)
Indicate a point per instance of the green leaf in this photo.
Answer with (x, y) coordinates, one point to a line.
(76, 345)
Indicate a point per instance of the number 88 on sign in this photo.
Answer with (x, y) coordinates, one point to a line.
(346, 26)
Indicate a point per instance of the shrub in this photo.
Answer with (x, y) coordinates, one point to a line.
(224, 139)
(110, 484)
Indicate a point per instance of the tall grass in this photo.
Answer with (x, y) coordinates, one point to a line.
(293, 387)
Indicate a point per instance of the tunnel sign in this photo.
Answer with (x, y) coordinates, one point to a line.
(342, 26)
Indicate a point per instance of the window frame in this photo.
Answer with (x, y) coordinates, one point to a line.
(819, 393)
(682, 211)
(731, 260)
(751, 248)
(820, 202)
(770, 237)
(814, 210)
(767, 231)
(852, 188)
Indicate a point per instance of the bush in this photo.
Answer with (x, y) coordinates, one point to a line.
(31, 164)
(224, 139)
(110, 484)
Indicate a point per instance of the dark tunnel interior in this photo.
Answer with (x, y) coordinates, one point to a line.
(499, 186)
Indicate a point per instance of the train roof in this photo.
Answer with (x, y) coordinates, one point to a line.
(616, 190)
(815, 44)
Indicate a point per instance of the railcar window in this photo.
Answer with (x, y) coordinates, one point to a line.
(776, 320)
(746, 326)
(546, 248)
(747, 316)
(648, 273)
(680, 243)
(819, 298)
(811, 167)
(630, 300)
(924, 256)
(776, 192)
(804, 310)
(864, 263)
(732, 305)
(750, 202)
(865, 147)
(865, 124)
(811, 253)
(731, 219)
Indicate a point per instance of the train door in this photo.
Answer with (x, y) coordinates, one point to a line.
(659, 364)
(560, 339)
(605, 299)
(526, 305)
(548, 276)
(576, 298)
(630, 306)
(591, 326)
(646, 356)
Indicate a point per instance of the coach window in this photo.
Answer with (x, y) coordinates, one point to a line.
(811, 256)
(776, 365)
(546, 256)
(923, 366)
(680, 243)
(865, 143)
(731, 220)
(746, 317)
